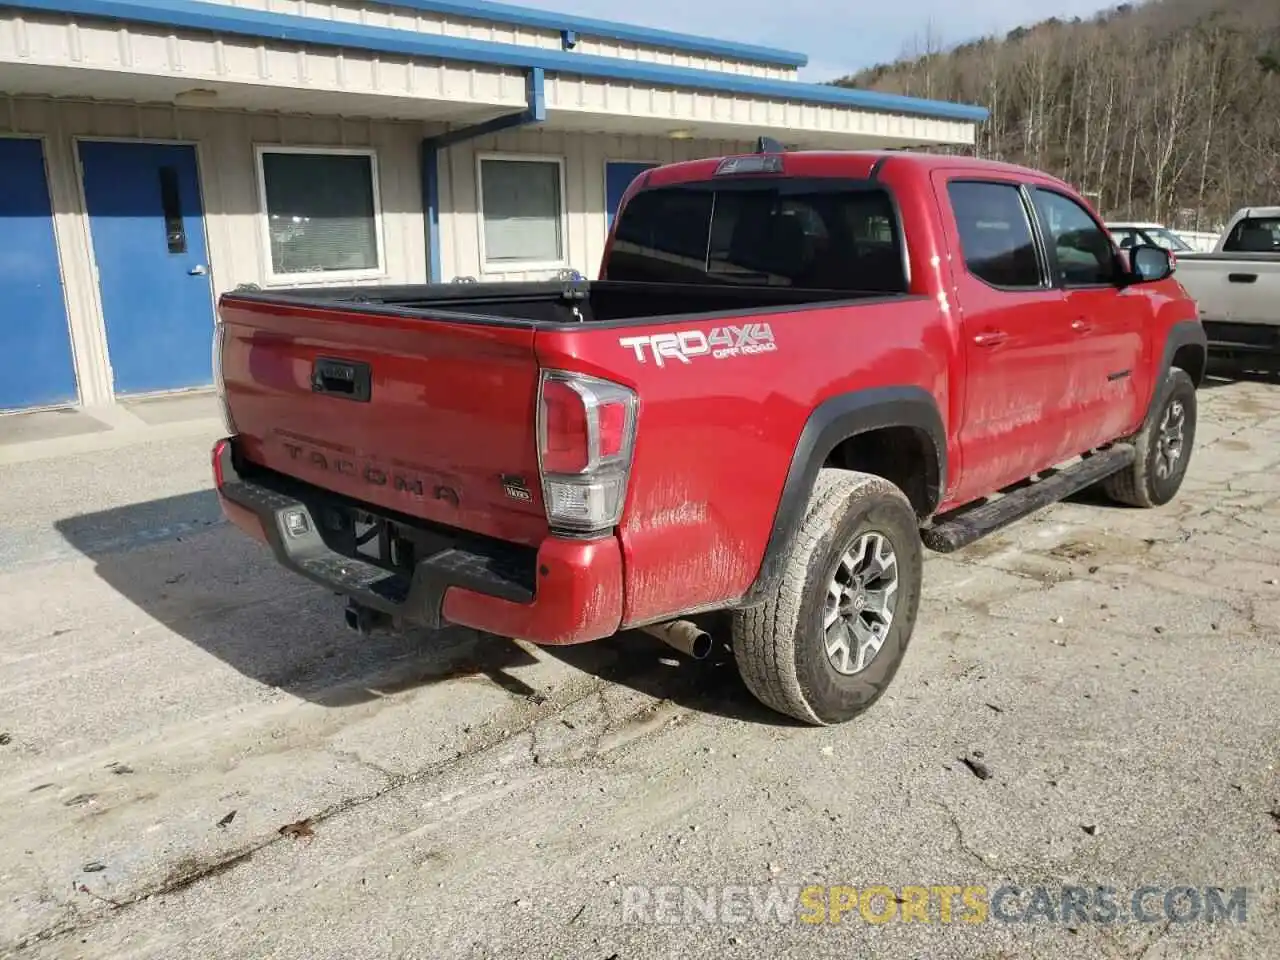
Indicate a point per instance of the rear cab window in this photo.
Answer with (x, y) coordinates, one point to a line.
(1254, 235)
(811, 233)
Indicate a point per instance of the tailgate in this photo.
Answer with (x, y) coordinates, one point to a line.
(421, 416)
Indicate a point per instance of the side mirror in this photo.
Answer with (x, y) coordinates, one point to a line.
(1149, 263)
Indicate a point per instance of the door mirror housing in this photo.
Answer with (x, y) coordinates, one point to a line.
(1149, 263)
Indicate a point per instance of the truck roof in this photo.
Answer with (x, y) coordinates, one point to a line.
(849, 163)
(1257, 213)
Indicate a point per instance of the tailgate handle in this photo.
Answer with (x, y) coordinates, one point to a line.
(1242, 277)
(347, 379)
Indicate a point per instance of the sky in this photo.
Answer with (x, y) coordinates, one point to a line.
(840, 36)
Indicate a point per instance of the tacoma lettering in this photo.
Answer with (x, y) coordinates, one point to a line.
(374, 476)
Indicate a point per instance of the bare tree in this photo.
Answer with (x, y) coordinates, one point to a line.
(1159, 109)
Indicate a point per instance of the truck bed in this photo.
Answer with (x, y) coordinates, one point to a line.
(422, 399)
(555, 302)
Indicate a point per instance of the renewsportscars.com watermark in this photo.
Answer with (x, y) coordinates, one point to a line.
(938, 904)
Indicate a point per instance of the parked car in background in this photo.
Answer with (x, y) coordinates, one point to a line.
(1154, 234)
(1237, 286)
(1201, 241)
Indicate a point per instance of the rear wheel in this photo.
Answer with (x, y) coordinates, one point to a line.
(829, 639)
(1163, 448)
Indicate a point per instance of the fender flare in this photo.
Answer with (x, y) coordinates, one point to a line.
(1184, 333)
(833, 421)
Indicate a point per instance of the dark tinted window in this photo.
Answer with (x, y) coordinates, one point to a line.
(1084, 252)
(995, 234)
(1254, 235)
(796, 233)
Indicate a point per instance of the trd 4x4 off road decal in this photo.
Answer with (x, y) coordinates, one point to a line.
(720, 343)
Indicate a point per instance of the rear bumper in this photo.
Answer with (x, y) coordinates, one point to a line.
(570, 592)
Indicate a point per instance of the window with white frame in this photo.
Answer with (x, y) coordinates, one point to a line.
(522, 211)
(322, 217)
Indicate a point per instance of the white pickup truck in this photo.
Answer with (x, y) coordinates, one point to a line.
(1237, 286)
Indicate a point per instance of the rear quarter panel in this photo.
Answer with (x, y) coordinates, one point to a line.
(716, 435)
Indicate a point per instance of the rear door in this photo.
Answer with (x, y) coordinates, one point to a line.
(1106, 321)
(1015, 341)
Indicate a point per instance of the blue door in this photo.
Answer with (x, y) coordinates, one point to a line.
(617, 177)
(147, 222)
(35, 342)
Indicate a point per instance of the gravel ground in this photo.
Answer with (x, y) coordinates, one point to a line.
(196, 758)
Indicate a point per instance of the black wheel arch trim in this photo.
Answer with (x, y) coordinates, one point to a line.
(1184, 333)
(832, 422)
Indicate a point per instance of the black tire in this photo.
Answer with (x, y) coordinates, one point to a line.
(1144, 484)
(780, 645)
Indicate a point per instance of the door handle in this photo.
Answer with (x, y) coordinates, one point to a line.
(1081, 326)
(1242, 278)
(198, 270)
(989, 338)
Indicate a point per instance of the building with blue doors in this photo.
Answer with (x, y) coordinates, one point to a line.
(154, 153)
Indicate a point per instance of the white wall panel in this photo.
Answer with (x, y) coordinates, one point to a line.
(406, 18)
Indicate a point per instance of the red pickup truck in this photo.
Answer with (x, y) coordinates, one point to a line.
(795, 372)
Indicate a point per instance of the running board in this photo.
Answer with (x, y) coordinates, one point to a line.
(962, 527)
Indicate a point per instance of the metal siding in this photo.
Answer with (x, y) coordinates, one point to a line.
(220, 19)
(48, 38)
(493, 31)
(51, 40)
(672, 58)
(589, 96)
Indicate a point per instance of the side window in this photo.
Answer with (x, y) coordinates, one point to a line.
(995, 234)
(1254, 235)
(1084, 252)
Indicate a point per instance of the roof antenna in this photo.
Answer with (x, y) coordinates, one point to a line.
(769, 145)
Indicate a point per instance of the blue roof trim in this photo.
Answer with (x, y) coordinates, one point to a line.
(606, 29)
(194, 15)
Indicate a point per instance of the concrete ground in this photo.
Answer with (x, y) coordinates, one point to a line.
(196, 759)
(64, 431)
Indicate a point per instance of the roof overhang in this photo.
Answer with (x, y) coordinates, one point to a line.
(505, 13)
(162, 51)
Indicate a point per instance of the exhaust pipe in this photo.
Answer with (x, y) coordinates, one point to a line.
(684, 635)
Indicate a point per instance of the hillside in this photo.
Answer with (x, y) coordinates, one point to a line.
(1165, 110)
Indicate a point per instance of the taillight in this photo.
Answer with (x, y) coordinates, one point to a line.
(219, 450)
(586, 433)
(219, 383)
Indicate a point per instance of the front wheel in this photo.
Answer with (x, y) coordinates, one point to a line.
(827, 642)
(1163, 448)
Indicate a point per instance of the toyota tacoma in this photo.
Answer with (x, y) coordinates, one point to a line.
(794, 374)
